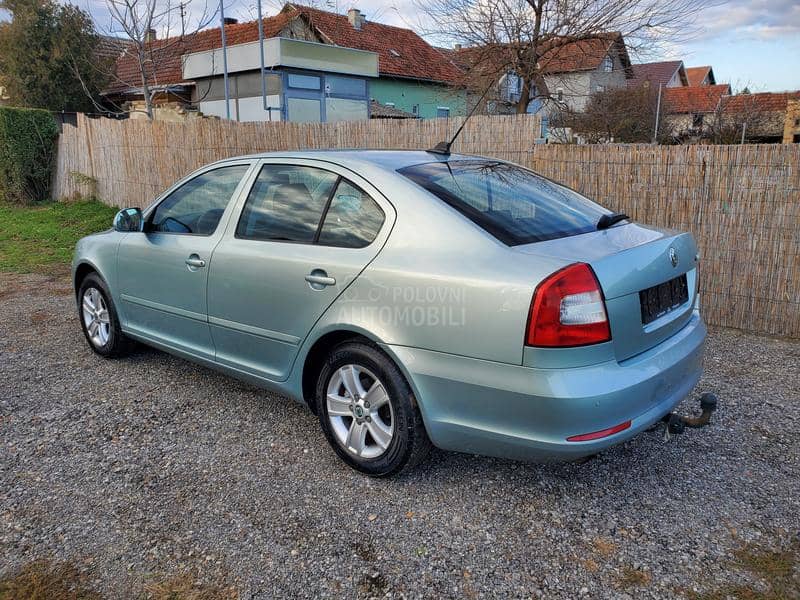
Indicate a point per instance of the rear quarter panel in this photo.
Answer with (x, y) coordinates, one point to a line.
(441, 283)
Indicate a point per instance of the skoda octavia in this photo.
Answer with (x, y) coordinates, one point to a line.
(410, 299)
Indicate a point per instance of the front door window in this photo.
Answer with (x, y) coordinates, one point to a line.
(197, 206)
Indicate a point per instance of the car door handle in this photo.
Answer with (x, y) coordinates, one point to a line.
(195, 261)
(319, 278)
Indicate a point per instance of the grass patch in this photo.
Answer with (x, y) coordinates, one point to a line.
(51, 580)
(775, 569)
(41, 238)
(184, 587)
(633, 578)
(45, 580)
(604, 547)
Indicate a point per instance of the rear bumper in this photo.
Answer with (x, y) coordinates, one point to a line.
(510, 411)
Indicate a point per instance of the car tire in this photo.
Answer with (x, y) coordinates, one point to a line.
(382, 438)
(99, 320)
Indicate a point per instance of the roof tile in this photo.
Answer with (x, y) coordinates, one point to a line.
(657, 73)
(761, 102)
(695, 100)
(696, 75)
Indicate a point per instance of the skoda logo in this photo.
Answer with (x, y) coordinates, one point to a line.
(673, 257)
(359, 412)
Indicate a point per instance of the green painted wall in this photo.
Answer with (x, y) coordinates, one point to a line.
(406, 93)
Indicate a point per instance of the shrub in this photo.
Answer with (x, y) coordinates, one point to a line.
(27, 154)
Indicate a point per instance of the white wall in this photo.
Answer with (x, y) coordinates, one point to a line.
(244, 109)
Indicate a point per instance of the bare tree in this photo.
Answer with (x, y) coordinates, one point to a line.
(616, 115)
(746, 117)
(528, 38)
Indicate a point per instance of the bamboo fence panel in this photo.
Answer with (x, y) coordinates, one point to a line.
(742, 203)
(132, 160)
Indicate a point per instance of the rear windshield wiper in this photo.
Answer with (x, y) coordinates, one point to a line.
(607, 221)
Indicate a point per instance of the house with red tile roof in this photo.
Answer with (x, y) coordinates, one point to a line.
(691, 111)
(669, 74)
(319, 66)
(572, 70)
(766, 117)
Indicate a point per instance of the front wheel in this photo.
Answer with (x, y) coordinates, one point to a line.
(368, 412)
(99, 319)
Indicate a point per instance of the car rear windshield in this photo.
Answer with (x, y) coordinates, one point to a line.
(513, 204)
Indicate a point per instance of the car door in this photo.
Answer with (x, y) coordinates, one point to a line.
(163, 271)
(305, 231)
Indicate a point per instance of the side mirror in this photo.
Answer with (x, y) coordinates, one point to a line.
(128, 219)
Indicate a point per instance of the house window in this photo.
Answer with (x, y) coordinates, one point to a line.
(304, 82)
(697, 121)
(601, 88)
(345, 86)
(304, 110)
(797, 122)
(442, 112)
(415, 109)
(560, 94)
(608, 64)
(329, 98)
(513, 87)
(345, 109)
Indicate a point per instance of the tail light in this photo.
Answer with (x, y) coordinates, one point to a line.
(568, 309)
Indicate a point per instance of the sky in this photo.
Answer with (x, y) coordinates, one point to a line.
(752, 43)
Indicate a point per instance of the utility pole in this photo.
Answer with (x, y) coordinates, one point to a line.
(225, 60)
(658, 111)
(261, 59)
(744, 129)
(182, 6)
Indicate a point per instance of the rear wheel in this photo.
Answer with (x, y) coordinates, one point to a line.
(99, 319)
(368, 412)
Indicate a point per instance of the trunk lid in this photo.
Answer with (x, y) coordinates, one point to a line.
(628, 259)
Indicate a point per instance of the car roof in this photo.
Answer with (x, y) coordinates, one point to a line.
(390, 160)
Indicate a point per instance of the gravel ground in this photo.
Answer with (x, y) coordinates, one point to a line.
(151, 466)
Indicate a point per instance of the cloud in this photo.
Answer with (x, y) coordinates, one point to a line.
(751, 19)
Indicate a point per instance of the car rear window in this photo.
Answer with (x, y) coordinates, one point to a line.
(515, 205)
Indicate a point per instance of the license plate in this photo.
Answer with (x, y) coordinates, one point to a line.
(663, 298)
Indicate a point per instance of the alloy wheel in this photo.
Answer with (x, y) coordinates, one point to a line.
(95, 317)
(359, 411)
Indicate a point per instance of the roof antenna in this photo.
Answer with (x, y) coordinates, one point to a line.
(444, 147)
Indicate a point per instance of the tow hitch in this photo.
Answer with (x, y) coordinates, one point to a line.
(676, 424)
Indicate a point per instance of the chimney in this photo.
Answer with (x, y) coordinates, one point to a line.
(456, 47)
(150, 36)
(230, 21)
(356, 18)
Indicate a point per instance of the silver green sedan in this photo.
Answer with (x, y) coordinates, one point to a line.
(409, 299)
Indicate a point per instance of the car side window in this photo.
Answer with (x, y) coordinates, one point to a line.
(197, 206)
(353, 218)
(286, 204)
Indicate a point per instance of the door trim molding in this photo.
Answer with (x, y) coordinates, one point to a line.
(181, 312)
(253, 330)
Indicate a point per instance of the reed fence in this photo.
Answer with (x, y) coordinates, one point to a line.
(742, 203)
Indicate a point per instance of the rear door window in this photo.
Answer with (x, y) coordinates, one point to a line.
(515, 205)
(353, 218)
(286, 204)
(292, 203)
